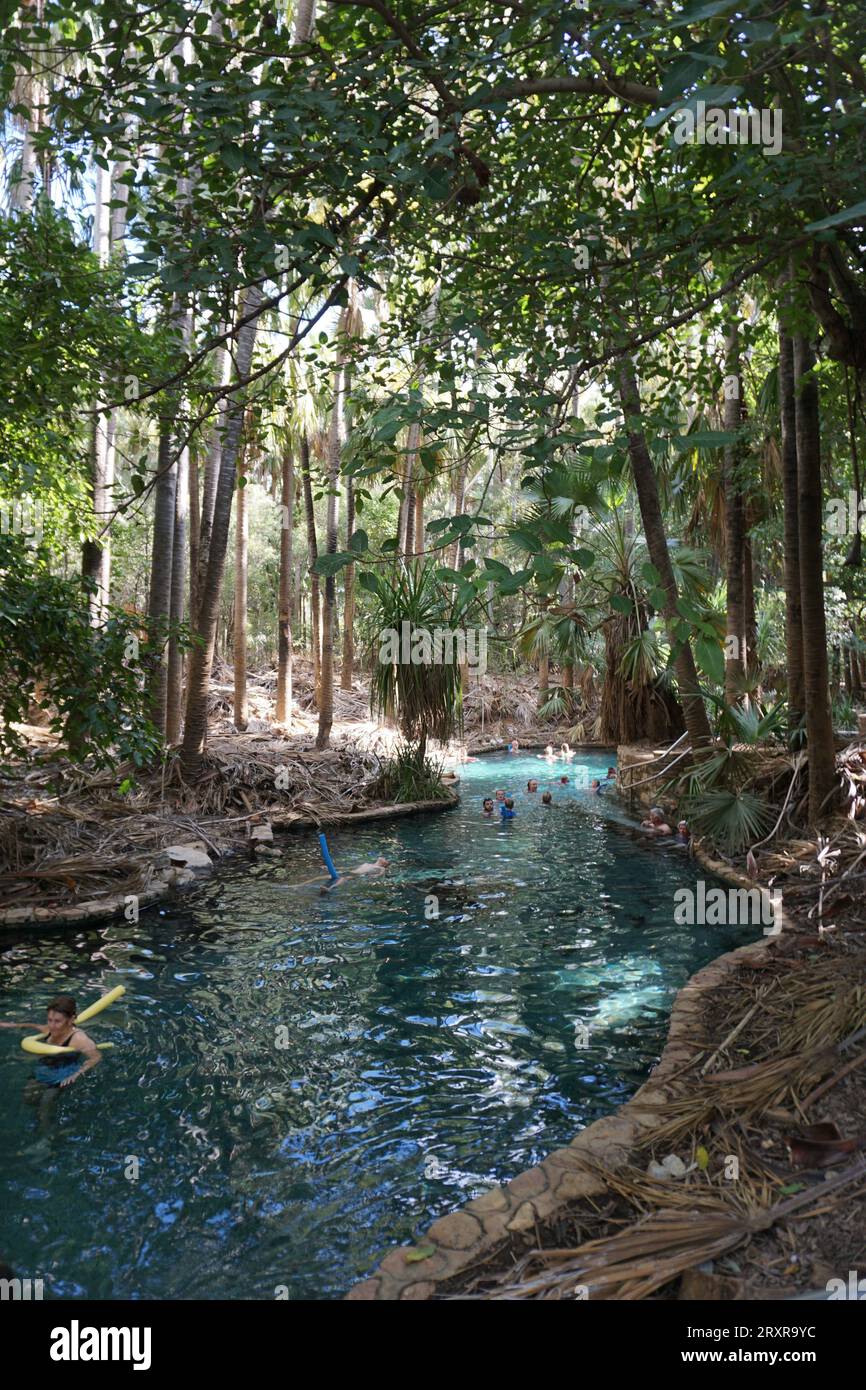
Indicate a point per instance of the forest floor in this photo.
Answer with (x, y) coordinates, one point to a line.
(74, 839)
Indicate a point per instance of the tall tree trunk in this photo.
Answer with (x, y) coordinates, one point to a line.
(750, 615)
(201, 660)
(313, 551)
(242, 542)
(194, 532)
(326, 704)
(419, 526)
(96, 553)
(646, 486)
(285, 647)
(543, 678)
(819, 724)
(793, 609)
(735, 526)
(174, 692)
(459, 501)
(211, 475)
(162, 554)
(347, 670)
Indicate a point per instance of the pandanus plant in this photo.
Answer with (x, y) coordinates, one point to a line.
(415, 684)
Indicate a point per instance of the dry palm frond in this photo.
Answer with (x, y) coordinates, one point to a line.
(692, 1228)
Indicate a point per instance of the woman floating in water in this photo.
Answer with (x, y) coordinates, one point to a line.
(59, 1030)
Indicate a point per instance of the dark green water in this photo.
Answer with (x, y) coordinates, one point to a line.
(304, 1081)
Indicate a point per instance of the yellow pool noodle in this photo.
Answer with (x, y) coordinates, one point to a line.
(35, 1044)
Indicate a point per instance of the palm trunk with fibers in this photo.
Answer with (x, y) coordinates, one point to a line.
(419, 525)
(162, 555)
(347, 670)
(819, 723)
(735, 526)
(326, 704)
(201, 660)
(313, 549)
(793, 608)
(646, 486)
(174, 692)
(242, 539)
(284, 641)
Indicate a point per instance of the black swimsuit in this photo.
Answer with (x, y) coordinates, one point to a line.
(54, 1069)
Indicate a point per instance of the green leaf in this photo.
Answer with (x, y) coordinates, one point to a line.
(359, 542)
(710, 658)
(849, 215)
(621, 604)
(331, 564)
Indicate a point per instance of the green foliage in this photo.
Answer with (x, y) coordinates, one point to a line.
(424, 697)
(408, 775)
(83, 676)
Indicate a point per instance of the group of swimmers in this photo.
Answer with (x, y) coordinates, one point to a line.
(505, 801)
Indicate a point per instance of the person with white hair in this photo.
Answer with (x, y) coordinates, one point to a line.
(655, 824)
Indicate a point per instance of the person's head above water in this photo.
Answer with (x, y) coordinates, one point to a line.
(547, 799)
(382, 861)
(595, 783)
(487, 804)
(611, 772)
(532, 785)
(563, 781)
(509, 803)
(61, 1015)
(500, 796)
(549, 750)
(657, 815)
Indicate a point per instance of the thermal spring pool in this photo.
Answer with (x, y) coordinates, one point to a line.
(300, 1081)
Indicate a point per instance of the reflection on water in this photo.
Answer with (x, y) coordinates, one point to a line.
(300, 1081)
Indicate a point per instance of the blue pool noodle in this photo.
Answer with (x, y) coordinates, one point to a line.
(326, 855)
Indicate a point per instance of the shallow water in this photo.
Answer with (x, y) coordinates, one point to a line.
(300, 1081)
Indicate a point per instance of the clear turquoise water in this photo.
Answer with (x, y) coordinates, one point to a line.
(419, 1062)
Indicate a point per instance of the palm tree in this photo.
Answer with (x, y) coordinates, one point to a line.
(646, 486)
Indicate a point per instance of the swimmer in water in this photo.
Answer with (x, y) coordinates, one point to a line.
(60, 1070)
(487, 806)
(372, 870)
(514, 746)
(506, 810)
(546, 799)
(563, 781)
(684, 835)
(532, 785)
(595, 787)
(567, 751)
(656, 823)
